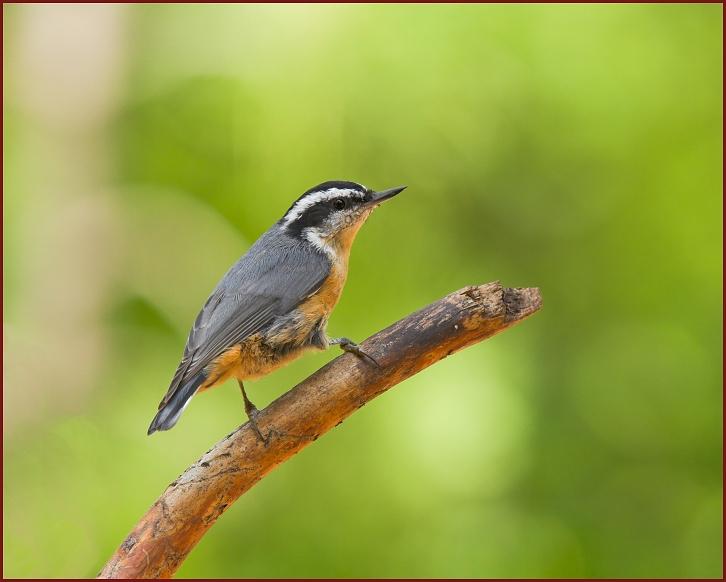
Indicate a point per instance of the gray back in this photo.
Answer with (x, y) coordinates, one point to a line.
(276, 274)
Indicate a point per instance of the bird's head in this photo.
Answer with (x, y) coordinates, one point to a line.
(330, 214)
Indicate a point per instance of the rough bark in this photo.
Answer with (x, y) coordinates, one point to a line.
(163, 538)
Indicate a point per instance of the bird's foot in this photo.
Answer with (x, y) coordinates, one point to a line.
(252, 414)
(350, 346)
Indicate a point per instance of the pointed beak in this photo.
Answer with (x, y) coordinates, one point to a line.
(378, 197)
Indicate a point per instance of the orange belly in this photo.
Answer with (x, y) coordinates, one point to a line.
(264, 352)
(261, 353)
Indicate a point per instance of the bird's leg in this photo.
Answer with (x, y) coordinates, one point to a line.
(350, 346)
(252, 412)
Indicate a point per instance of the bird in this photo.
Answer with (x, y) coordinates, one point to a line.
(274, 303)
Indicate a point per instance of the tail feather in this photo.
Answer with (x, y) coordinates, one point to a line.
(169, 414)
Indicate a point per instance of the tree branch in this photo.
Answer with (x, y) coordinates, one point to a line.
(160, 542)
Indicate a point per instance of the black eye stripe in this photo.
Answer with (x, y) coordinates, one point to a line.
(317, 213)
(350, 188)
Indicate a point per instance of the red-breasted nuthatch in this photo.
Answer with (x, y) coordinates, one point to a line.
(274, 303)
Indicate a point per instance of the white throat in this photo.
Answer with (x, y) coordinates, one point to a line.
(315, 237)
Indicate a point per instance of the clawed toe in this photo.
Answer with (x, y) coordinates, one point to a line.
(350, 346)
(361, 354)
(252, 415)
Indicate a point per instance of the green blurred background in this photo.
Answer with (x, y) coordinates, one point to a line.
(574, 148)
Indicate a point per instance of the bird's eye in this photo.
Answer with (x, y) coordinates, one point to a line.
(339, 203)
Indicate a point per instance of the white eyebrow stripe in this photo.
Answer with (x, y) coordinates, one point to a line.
(313, 198)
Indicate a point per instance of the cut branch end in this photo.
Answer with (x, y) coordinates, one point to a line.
(163, 538)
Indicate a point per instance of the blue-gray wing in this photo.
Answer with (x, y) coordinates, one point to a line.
(276, 275)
